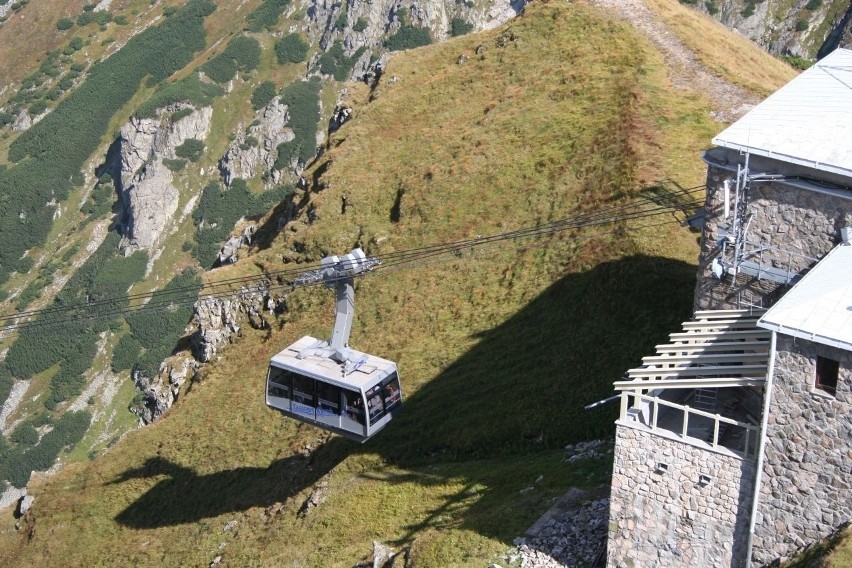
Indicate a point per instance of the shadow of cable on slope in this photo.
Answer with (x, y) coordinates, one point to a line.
(521, 389)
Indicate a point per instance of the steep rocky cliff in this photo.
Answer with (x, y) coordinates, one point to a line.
(364, 27)
(148, 195)
(799, 28)
(253, 150)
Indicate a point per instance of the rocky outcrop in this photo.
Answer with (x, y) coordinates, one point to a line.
(805, 29)
(218, 321)
(145, 183)
(253, 151)
(230, 250)
(367, 24)
(158, 394)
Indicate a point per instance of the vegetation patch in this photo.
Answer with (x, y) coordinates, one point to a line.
(242, 54)
(191, 89)
(174, 165)
(16, 464)
(220, 208)
(50, 154)
(263, 94)
(291, 48)
(191, 149)
(335, 63)
(460, 27)
(65, 338)
(302, 98)
(156, 328)
(266, 15)
(408, 37)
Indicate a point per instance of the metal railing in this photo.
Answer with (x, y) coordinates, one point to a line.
(720, 423)
(771, 263)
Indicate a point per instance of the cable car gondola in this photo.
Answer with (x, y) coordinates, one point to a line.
(326, 383)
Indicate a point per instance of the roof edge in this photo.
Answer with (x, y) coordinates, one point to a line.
(819, 166)
(801, 334)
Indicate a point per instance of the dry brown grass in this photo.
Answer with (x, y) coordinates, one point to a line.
(734, 57)
(498, 350)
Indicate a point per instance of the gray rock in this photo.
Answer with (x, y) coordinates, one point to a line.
(254, 151)
(22, 122)
(773, 26)
(382, 554)
(228, 253)
(381, 19)
(161, 392)
(150, 199)
(218, 320)
(24, 504)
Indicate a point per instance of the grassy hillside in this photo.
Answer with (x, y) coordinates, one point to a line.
(561, 112)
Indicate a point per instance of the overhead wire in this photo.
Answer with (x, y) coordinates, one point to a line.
(164, 299)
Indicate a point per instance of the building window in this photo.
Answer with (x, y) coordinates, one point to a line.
(826, 375)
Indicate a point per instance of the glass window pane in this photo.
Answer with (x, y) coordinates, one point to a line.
(375, 408)
(303, 390)
(354, 406)
(328, 399)
(279, 391)
(279, 376)
(390, 392)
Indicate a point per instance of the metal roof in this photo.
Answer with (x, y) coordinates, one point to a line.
(808, 121)
(819, 307)
(366, 375)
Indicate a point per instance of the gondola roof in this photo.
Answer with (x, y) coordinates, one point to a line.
(364, 376)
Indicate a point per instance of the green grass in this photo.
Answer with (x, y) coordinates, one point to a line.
(834, 552)
(498, 350)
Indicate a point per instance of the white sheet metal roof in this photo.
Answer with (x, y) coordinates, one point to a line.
(808, 121)
(819, 307)
(364, 376)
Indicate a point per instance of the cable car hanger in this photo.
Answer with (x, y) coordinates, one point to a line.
(327, 384)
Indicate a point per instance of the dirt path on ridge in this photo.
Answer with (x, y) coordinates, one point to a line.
(685, 70)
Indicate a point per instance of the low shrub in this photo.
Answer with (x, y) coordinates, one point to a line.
(302, 98)
(63, 24)
(241, 54)
(335, 63)
(266, 15)
(191, 149)
(408, 37)
(189, 89)
(174, 165)
(291, 49)
(261, 96)
(460, 27)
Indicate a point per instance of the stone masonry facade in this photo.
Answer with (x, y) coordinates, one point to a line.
(663, 513)
(805, 223)
(806, 492)
(668, 518)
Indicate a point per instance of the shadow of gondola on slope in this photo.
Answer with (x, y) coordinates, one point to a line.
(521, 389)
(186, 497)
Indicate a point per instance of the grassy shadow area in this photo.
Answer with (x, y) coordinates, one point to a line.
(525, 383)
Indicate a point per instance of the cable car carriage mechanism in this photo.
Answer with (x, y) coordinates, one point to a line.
(326, 383)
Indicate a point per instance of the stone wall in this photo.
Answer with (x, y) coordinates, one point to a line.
(804, 222)
(670, 518)
(806, 489)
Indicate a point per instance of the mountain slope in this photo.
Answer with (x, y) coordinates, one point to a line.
(564, 111)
